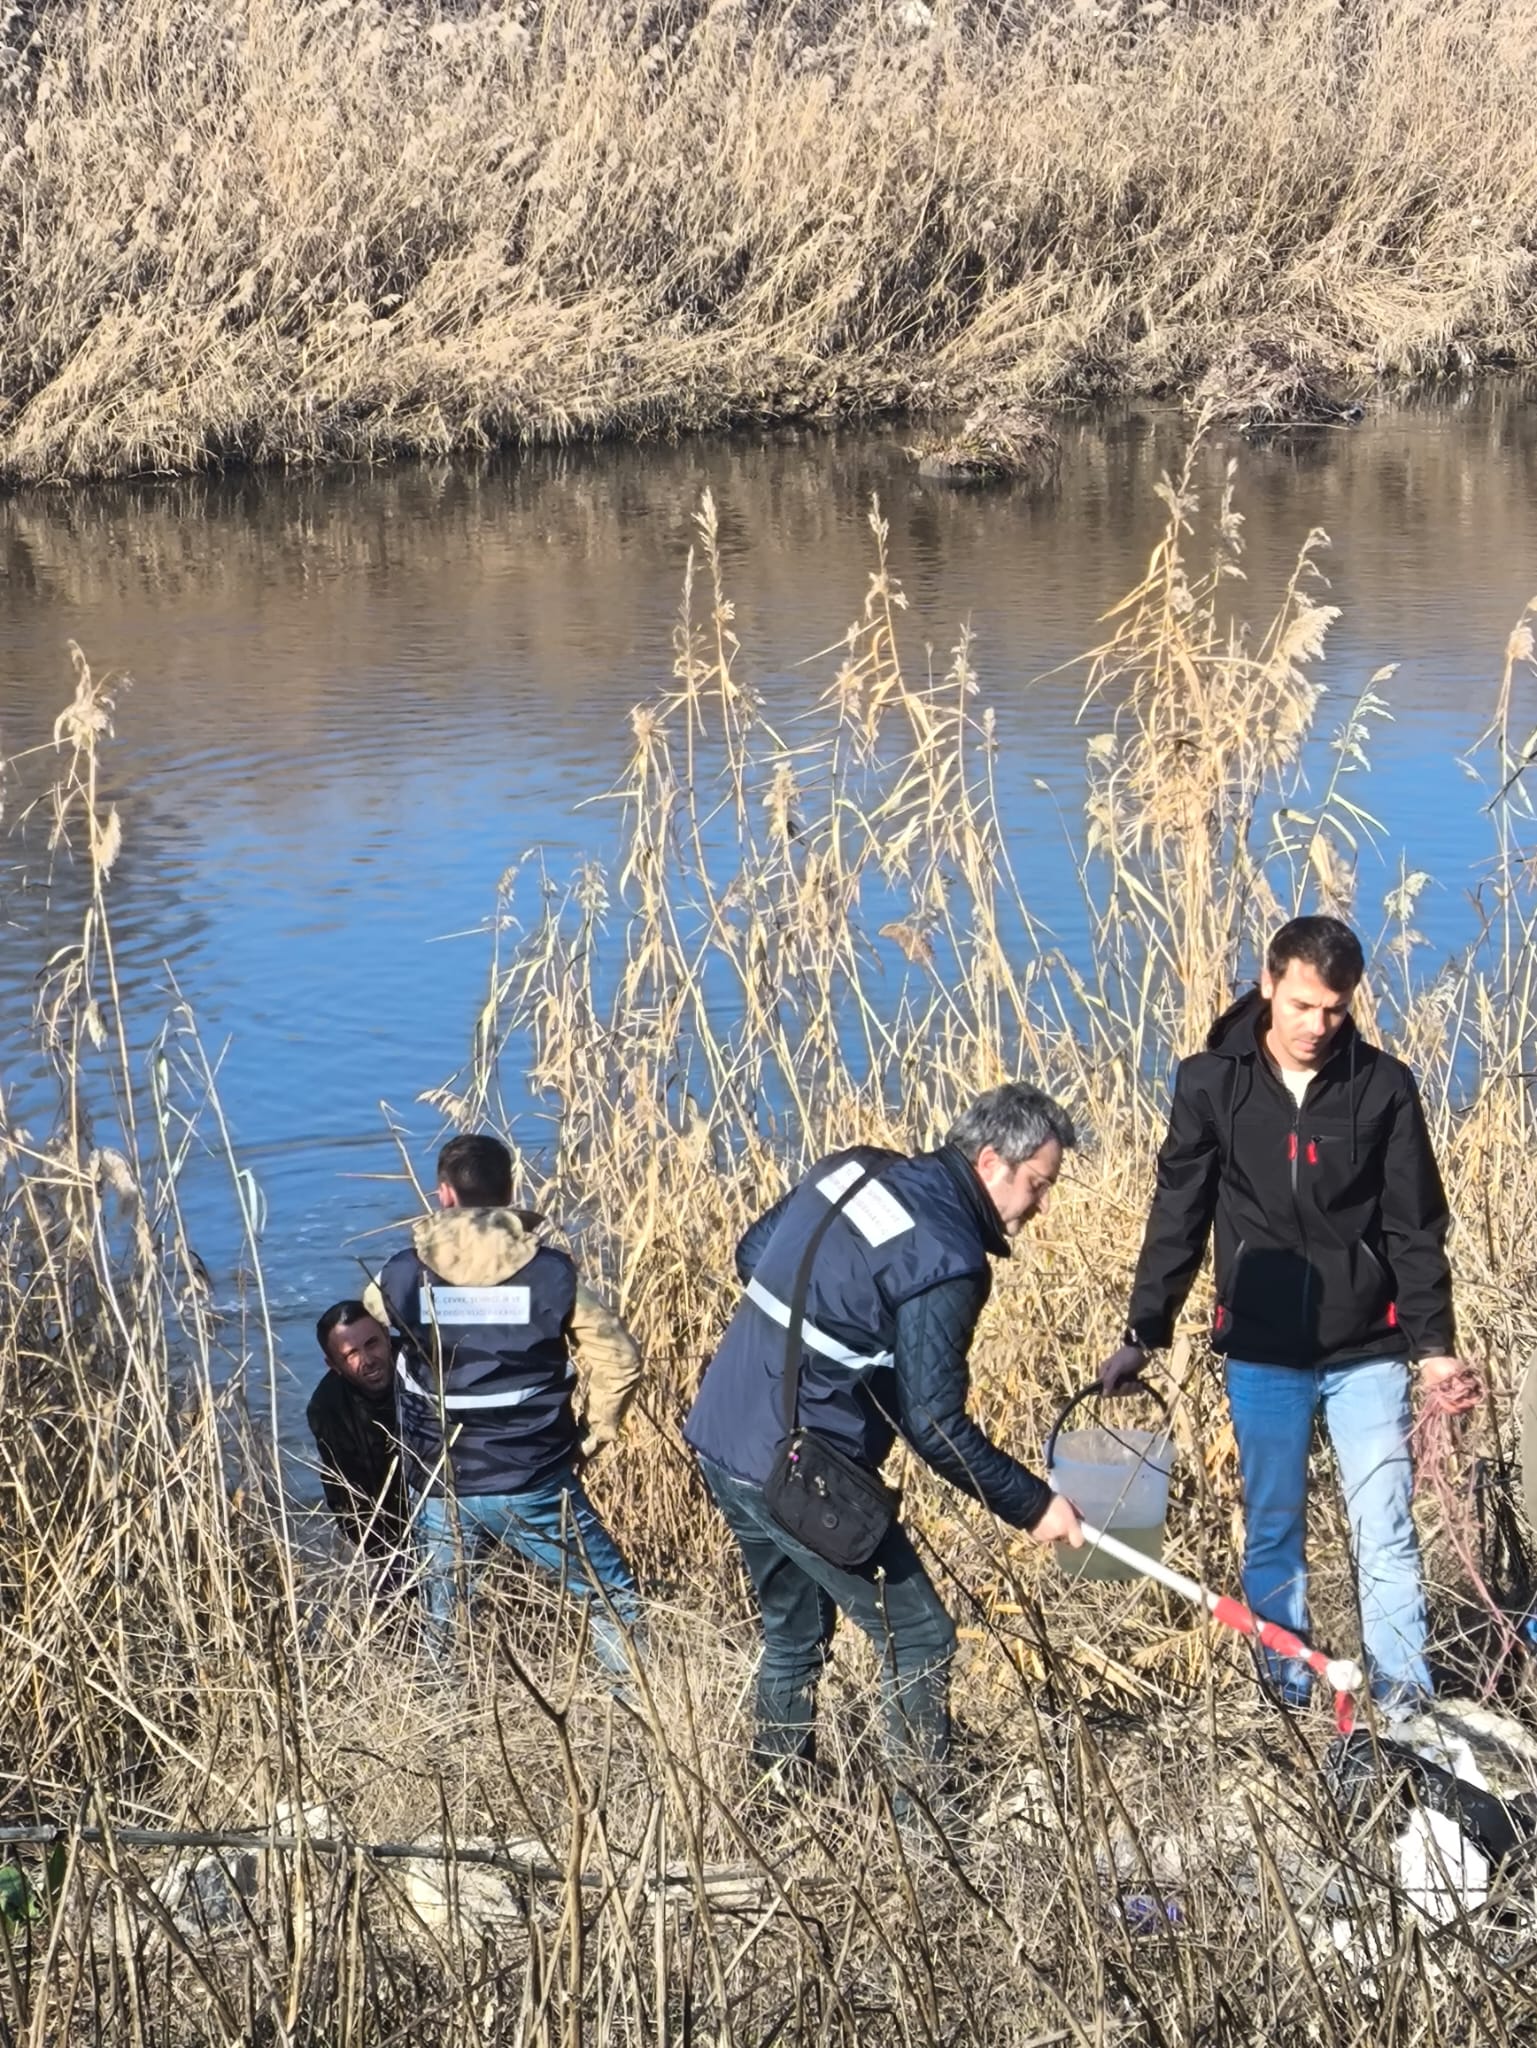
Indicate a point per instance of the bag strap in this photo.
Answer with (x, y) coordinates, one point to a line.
(792, 1367)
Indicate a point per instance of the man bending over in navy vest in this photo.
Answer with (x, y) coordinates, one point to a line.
(1302, 1149)
(895, 1287)
(488, 1316)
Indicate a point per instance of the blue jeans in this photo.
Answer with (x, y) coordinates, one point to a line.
(1367, 1411)
(799, 1596)
(556, 1527)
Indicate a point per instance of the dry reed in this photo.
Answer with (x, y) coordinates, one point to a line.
(807, 937)
(1009, 446)
(278, 231)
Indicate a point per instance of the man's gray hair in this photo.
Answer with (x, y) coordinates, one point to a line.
(1016, 1120)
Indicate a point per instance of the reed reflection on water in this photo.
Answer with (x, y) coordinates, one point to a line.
(357, 699)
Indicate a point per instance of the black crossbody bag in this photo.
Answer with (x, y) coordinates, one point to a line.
(826, 1500)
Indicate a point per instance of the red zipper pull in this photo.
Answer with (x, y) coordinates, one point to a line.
(1312, 1152)
(1291, 1147)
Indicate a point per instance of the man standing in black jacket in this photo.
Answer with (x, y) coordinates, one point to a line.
(1303, 1150)
(895, 1283)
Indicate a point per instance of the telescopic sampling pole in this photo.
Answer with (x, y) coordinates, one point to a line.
(1341, 1674)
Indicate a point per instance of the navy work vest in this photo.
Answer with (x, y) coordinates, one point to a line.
(915, 1226)
(494, 1364)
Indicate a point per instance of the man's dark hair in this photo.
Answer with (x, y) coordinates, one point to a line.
(1325, 944)
(338, 1313)
(479, 1170)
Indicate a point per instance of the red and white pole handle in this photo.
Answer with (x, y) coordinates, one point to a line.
(1342, 1675)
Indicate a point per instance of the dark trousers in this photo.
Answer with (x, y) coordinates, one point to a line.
(799, 1599)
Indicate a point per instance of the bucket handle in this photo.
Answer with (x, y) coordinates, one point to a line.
(1088, 1393)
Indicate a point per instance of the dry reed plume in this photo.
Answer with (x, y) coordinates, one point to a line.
(808, 936)
(277, 231)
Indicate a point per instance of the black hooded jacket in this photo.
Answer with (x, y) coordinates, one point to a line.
(1330, 1218)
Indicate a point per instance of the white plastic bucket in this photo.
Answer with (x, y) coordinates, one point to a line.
(1118, 1479)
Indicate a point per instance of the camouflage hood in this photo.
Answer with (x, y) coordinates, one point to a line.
(477, 1247)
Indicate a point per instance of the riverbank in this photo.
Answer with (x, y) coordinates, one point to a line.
(279, 233)
(794, 945)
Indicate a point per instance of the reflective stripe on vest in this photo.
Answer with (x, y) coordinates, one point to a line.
(814, 1339)
(510, 1397)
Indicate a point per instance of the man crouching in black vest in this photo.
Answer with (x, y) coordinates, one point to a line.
(486, 1316)
(889, 1290)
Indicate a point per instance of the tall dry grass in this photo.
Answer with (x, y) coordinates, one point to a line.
(283, 231)
(807, 936)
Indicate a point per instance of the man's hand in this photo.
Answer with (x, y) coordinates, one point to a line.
(1059, 1524)
(1122, 1371)
(1453, 1381)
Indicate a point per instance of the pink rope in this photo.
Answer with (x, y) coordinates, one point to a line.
(1433, 1445)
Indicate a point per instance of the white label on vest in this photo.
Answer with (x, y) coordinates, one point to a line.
(458, 1307)
(874, 1212)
